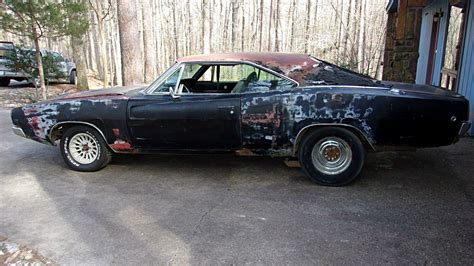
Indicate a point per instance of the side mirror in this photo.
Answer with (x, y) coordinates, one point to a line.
(173, 95)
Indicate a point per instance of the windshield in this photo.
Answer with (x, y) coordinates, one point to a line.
(153, 86)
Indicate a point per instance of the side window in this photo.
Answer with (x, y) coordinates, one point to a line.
(170, 81)
(190, 70)
(58, 57)
(210, 75)
(253, 79)
(230, 73)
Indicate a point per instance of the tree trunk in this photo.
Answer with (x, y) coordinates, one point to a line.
(277, 26)
(148, 40)
(306, 27)
(270, 26)
(226, 12)
(206, 45)
(235, 10)
(292, 26)
(103, 54)
(242, 31)
(77, 44)
(92, 51)
(95, 42)
(188, 22)
(132, 63)
(347, 32)
(175, 30)
(39, 61)
(261, 26)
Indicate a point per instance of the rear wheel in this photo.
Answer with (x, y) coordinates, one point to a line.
(331, 156)
(4, 82)
(84, 149)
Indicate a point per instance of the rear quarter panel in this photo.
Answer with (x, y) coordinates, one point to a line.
(271, 121)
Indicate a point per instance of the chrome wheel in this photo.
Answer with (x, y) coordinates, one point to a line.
(84, 148)
(331, 155)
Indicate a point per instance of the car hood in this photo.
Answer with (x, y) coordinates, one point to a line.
(107, 92)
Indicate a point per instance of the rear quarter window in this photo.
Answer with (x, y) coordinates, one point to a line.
(324, 73)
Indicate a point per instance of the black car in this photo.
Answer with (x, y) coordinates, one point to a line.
(272, 104)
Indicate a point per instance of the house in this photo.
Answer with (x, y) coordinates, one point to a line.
(432, 42)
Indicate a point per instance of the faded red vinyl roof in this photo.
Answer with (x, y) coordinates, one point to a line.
(291, 65)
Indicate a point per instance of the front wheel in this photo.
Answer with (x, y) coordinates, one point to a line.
(331, 156)
(83, 149)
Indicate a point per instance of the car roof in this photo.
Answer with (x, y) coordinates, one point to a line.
(291, 65)
(281, 58)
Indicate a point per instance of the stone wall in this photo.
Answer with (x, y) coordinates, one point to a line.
(402, 41)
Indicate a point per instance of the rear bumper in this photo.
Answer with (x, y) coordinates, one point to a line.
(464, 129)
(18, 131)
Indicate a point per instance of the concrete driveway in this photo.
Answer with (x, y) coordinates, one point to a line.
(410, 207)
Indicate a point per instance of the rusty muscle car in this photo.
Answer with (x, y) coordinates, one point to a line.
(271, 104)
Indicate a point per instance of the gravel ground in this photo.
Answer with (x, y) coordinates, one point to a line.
(21, 93)
(407, 207)
(12, 253)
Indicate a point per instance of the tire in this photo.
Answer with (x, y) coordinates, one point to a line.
(84, 140)
(72, 77)
(4, 82)
(331, 156)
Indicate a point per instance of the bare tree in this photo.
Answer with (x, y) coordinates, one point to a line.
(270, 13)
(277, 26)
(101, 14)
(330, 29)
(261, 26)
(79, 57)
(205, 34)
(306, 26)
(132, 64)
(148, 41)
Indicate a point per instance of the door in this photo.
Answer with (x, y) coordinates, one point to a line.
(432, 51)
(453, 45)
(194, 121)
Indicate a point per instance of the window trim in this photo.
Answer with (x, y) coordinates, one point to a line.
(150, 90)
(178, 64)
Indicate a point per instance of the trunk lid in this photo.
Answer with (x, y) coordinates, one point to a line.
(421, 89)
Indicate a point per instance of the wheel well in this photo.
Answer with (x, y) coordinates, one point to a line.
(304, 131)
(58, 129)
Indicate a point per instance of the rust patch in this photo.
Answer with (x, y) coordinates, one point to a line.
(120, 145)
(262, 118)
(245, 152)
(116, 132)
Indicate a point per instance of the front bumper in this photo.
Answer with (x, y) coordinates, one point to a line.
(18, 131)
(464, 129)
